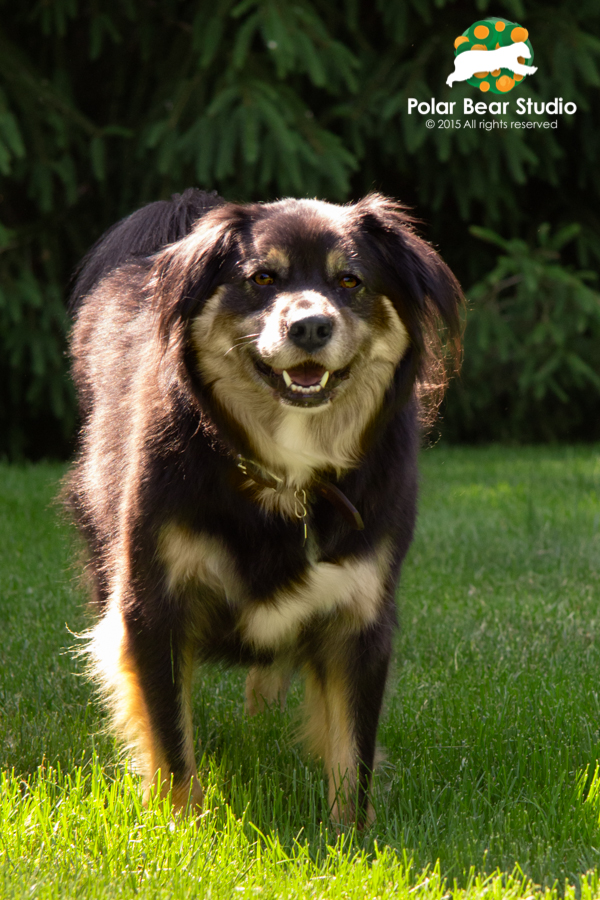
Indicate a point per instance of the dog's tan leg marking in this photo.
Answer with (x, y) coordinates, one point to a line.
(266, 685)
(187, 798)
(115, 666)
(186, 792)
(328, 734)
(111, 664)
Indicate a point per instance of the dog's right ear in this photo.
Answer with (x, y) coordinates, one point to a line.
(188, 272)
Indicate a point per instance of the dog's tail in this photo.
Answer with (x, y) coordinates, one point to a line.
(141, 234)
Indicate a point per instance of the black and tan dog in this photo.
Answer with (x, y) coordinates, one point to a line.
(249, 380)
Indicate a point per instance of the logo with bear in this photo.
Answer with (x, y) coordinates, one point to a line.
(492, 55)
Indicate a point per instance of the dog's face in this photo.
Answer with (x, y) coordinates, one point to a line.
(303, 305)
(301, 320)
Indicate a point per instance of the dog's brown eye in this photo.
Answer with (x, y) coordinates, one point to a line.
(349, 281)
(263, 278)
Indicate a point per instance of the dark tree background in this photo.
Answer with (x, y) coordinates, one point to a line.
(108, 104)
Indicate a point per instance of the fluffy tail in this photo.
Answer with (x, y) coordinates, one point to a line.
(141, 234)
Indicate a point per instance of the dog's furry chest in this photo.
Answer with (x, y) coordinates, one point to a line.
(200, 565)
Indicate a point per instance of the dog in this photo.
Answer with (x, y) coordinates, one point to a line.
(472, 62)
(250, 380)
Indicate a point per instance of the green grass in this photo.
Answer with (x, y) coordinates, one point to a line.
(491, 732)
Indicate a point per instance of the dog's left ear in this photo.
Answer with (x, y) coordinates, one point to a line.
(408, 271)
(188, 272)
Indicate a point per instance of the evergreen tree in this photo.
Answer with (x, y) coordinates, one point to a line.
(106, 106)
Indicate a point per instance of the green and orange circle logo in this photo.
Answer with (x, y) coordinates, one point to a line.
(495, 34)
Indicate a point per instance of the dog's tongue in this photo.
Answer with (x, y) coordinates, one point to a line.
(306, 375)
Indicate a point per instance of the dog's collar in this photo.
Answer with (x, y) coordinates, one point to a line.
(327, 490)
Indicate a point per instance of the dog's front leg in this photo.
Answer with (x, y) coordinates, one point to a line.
(521, 69)
(344, 693)
(163, 659)
(146, 667)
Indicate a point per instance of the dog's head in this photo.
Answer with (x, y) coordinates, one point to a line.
(303, 305)
(520, 49)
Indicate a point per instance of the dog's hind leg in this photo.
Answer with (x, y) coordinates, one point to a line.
(344, 693)
(266, 685)
(146, 669)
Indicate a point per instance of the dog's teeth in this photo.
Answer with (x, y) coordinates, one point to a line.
(306, 389)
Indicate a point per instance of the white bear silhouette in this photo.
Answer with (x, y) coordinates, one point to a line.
(471, 61)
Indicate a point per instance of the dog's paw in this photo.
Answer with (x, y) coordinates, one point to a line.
(187, 798)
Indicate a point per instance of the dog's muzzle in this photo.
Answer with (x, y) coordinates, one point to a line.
(308, 383)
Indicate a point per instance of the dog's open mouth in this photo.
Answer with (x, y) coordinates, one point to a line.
(308, 384)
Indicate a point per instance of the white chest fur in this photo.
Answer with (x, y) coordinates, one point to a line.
(352, 588)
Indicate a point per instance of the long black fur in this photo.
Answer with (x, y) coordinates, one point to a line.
(139, 235)
(161, 501)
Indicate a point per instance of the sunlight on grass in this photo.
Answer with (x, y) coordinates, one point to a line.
(488, 784)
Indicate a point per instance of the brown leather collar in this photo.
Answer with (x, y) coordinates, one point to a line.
(327, 490)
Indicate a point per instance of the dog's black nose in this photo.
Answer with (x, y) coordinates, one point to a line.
(311, 333)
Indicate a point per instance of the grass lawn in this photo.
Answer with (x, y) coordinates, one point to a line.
(491, 732)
